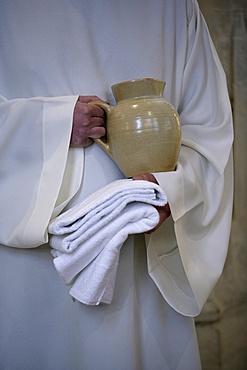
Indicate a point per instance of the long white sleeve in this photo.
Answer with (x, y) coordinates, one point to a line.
(35, 157)
(200, 191)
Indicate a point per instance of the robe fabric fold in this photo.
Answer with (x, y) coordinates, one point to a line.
(34, 136)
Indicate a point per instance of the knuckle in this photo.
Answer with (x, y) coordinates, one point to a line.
(85, 122)
(86, 109)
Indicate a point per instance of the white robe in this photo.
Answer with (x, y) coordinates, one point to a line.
(52, 51)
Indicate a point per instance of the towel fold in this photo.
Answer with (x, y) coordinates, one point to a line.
(86, 240)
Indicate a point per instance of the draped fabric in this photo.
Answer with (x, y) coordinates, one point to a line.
(51, 52)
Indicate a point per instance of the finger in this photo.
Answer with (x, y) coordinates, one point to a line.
(89, 98)
(146, 176)
(88, 110)
(96, 111)
(96, 122)
(88, 141)
(97, 132)
(80, 142)
(164, 213)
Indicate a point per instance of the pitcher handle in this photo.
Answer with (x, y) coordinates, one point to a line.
(105, 145)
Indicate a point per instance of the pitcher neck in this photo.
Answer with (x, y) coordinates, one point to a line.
(138, 88)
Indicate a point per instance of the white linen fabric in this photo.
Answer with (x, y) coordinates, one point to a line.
(87, 239)
(50, 53)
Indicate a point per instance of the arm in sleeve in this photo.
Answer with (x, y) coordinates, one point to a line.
(35, 158)
(200, 191)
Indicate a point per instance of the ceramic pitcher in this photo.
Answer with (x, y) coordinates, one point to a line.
(143, 129)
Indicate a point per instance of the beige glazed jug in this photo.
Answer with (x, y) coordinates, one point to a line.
(143, 129)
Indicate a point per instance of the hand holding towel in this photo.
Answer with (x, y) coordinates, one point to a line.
(86, 240)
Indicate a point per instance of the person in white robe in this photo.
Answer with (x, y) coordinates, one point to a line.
(52, 52)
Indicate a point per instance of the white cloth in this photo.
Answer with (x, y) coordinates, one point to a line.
(52, 51)
(87, 239)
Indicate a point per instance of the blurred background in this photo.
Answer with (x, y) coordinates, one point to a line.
(222, 325)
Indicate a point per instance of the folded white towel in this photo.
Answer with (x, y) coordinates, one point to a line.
(86, 240)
